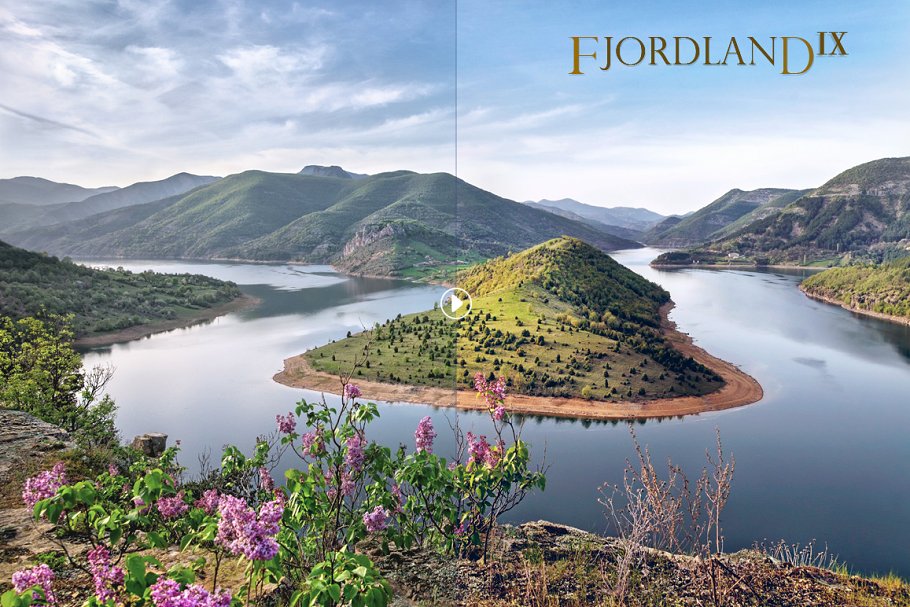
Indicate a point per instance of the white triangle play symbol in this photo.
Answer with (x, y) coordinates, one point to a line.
(456, 303)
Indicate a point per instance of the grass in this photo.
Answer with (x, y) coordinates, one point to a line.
(541, 340)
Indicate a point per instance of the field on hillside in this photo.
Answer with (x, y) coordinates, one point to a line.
(536, 346)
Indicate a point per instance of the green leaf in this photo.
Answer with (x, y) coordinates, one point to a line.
(10, 598)
(156, 540)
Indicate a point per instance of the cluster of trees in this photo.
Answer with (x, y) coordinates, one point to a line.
(42, 374)
(32, 284)
(884, 288)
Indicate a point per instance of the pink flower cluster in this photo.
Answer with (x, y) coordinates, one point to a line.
(44, 485)
(266, 482)
(241, 531)
(286, 423)
(167, 593)
(312, 443)
(494, 393)
(424, 435)
(352, 391)
(41, 576)
(482, 452)
(172, 507)
(376, 519)
(209, 501)
(108, 579)
(354, 456)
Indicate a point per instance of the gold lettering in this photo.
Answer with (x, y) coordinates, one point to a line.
(619, 51)
(694, 46)
(735, 46)
(576, 51)
(658, 51)
(761, 49)
(810, 59)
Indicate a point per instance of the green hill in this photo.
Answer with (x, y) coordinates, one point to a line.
(884, 289)
(559, 319)
(863, 213)
(399, 223)
(707, 222)
(32, 284)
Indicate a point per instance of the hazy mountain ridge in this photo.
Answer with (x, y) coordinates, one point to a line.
(633, 218)
(40, 191)
(381, 224)
(15, 218)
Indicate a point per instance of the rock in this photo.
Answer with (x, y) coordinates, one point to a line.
(151, 444)
(25, 438)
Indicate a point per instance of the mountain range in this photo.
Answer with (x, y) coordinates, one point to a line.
(16, 216)
(862, 213)
(636, 219)
(736, 206)
(38, 191)
(397, 223)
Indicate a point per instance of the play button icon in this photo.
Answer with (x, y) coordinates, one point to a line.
(455, 303)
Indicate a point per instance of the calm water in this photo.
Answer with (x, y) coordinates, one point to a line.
(824, 456)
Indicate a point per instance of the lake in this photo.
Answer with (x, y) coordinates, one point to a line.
(824, 456)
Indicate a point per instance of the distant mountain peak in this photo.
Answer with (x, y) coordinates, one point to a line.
(329, 171)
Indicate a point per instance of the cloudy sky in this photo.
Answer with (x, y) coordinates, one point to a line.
(115, 91)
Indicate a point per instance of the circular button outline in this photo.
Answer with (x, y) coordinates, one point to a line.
(467, 299)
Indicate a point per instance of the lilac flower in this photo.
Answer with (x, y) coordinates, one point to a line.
(172, 507)
(167, 593)
(462, 528)
(108, 579)
(499, 413)
(399, 498)
(354, 456)
(376, 519)
(312, 443)
(266, 482)
(478, 447)
(44, 485)
(424, 435)
(481, 452)
(352, 391)
(286, 423)
(113, 470)
(41, 576)
(209, 501)
(493, 392)
(240, 531)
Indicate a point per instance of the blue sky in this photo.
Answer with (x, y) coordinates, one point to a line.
(115, 91)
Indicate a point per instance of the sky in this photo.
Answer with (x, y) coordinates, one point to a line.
(116, 91)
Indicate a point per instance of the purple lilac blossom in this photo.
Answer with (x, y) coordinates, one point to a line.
(376, 519)
(286, 423)
(41, 576)
(172, 507)
(424, 435)
(44, 485)
(240, 531)
(107, 578)
(167, 593)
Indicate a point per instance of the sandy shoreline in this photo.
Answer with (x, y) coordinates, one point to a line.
(739, 389)
(901, 320)
(140, 331)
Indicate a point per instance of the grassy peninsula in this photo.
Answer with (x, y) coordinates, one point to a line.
(560, 319)
(102, 301)
(878, 289)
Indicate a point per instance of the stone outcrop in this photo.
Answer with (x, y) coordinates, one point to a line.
(151, 444)
(25, 438)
